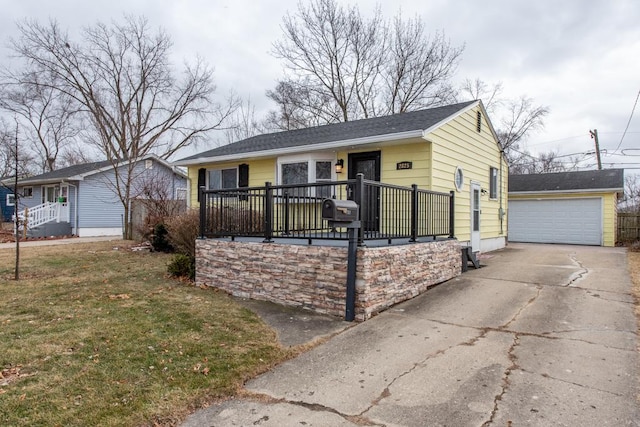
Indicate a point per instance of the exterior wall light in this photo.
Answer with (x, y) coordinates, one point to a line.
(339, 165)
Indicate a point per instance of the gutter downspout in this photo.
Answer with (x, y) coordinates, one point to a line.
(75, 209)
(501, 210)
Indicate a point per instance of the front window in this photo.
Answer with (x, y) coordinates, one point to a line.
(323, 174)
(11, 199)
(304, 170)
(27, 192)
(295, 173)
(221, 179)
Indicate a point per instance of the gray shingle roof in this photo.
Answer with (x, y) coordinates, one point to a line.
(67, 172)
(609, 179)
(403, 122)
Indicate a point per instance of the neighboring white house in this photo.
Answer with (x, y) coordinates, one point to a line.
(81, 199)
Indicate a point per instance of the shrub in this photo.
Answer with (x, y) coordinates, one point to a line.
(159, 240)
(183, 231)
(182, 266)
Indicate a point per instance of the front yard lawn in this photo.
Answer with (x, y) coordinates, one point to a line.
(95, 334)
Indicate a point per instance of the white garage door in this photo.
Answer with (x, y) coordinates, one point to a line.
(573, 221)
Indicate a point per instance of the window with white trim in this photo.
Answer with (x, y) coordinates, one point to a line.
(304, 169)
(493, 183)
(11, 199)
(220, 179)
(181, 194)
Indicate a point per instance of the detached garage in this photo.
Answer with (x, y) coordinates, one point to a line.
(568, 207)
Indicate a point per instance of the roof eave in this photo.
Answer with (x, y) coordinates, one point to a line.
(572, 191)
(418, 133)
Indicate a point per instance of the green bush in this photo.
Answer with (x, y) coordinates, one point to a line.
(160, 241)
(182, 266)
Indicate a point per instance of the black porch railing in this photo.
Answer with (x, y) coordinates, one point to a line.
(294, 211)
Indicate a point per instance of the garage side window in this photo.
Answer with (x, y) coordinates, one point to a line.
(493, 183)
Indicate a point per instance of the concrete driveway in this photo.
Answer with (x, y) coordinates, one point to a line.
(543, 335)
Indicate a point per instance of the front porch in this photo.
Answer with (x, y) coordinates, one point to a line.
(271, 243)
(46, 219)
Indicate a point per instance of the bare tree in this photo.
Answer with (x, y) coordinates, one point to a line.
(121, 78)
(8, 165)
(489, 94)
(520, 118)
(516, 118)
(418, 68)
(341, 66)
(631, 201)
(155, 201)
(525, 163)
(299, 106)
(243, 123)
(46, 115)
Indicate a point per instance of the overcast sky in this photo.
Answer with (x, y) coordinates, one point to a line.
(579, 58)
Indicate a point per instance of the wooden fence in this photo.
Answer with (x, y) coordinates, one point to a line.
(628, 227)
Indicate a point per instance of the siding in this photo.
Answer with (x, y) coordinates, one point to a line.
(458, 144)
(98, 205)
(260, 171)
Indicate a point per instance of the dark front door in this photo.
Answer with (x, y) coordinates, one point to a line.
(368, 164)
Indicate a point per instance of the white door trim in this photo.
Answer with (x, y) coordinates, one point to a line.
(475, 210)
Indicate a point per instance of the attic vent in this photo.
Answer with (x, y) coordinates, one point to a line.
(479, 121)
(148, 164)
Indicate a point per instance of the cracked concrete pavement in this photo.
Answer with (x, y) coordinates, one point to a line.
(543, 335)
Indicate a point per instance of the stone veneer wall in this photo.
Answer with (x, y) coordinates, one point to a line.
(314, 277)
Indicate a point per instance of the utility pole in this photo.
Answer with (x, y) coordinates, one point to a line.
(594, 135)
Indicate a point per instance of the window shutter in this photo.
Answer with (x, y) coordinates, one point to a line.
(243, 175)
(243, 179)
(202, 180)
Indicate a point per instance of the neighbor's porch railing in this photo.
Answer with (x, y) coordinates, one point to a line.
(294, 211)
(44, 213)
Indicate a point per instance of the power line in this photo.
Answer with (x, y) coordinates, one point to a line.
(629, 122)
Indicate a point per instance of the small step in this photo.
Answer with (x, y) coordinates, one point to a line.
(468, 256)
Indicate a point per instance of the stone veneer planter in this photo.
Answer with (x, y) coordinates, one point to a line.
(314, 277)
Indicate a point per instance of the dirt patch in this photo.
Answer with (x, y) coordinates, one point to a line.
(6, 234)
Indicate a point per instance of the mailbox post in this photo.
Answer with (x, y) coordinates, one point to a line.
(345, 214)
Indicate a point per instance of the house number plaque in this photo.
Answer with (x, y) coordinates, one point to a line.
(404, 165)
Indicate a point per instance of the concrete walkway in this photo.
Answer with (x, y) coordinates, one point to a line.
(66, 241)
(543, 335)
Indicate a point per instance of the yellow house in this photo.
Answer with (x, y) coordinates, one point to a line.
(565, 207)
(453, 148)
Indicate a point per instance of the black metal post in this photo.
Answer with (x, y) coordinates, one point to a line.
(286, 212)
(352, 257)
(268, 212)
(452, 216)
(358, 197)
(414, 213)
(203, 211)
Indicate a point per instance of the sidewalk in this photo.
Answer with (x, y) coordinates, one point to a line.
(53, 242)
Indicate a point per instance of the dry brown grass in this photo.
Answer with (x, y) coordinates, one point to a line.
(98, 336)
(634, 269)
